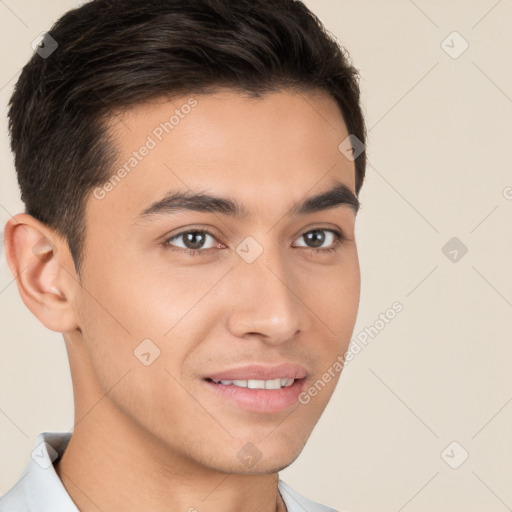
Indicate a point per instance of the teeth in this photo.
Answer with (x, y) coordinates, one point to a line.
(259, 384)
(256, 384)
(273, 384)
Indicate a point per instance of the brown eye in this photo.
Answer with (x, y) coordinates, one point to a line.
(316, 238)
(193, 241)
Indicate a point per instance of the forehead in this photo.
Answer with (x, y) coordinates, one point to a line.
(265, 151)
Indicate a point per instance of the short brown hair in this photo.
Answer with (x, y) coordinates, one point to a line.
(110, 54)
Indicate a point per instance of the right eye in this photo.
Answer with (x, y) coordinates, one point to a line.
(194, 237)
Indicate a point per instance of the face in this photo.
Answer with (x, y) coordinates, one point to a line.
(181, 295)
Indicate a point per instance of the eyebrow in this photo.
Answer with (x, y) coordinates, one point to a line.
(178, 201)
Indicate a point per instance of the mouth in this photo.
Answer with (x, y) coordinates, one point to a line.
(256, 384)
(258, 388)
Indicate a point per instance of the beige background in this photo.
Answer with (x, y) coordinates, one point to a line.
(440, 131)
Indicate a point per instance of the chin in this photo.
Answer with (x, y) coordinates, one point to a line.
(258, 457)
(264, 466)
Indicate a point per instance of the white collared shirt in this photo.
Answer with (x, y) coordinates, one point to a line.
(40, 489)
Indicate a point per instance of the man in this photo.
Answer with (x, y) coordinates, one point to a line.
(190, 170)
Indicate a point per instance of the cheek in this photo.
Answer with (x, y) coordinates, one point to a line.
(334, 304)
(130, 316)
(333, 295)
(347, 296)
(133, 301)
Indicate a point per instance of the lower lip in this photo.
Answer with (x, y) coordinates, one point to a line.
(260, 400)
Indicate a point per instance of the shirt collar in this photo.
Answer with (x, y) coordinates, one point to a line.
(39, 488)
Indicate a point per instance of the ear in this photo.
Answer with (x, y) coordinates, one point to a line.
(41, 262)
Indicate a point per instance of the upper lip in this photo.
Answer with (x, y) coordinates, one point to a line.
(261, 372)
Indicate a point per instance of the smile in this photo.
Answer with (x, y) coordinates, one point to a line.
(258, 384)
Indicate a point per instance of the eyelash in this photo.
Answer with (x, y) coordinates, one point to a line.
(339, 239)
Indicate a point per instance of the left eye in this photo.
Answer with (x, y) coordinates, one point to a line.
(317, 236)
(195, 239)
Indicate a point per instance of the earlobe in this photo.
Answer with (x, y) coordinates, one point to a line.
(35, 256)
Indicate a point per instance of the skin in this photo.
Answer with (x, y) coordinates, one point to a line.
(154, 436)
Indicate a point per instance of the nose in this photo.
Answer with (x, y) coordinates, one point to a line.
(267, 301)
